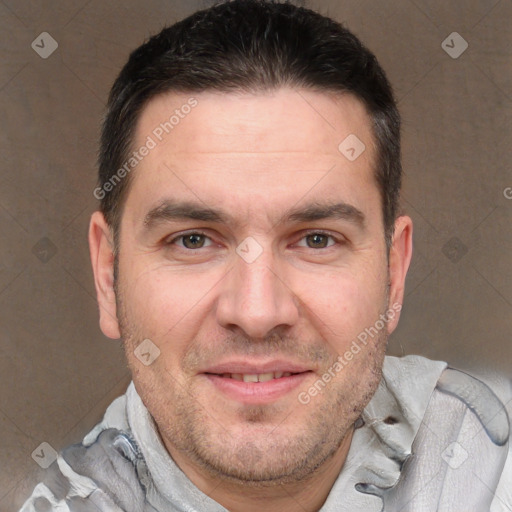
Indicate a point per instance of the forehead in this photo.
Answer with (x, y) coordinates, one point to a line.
(261, 146)
(274, 121)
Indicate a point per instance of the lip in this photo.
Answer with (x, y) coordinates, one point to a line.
(257, 392)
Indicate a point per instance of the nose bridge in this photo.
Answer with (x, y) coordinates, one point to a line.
(256, 298)
(257, 281)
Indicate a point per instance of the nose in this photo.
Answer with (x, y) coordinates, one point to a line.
(256, 298)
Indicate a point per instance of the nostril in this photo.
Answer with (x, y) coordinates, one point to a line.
(390, 420)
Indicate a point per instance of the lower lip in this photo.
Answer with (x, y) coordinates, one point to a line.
(257, 392)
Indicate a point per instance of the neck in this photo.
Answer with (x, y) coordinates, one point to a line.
(304, 496)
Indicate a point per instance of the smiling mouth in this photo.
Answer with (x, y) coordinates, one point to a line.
(256, 388)
(255, 377)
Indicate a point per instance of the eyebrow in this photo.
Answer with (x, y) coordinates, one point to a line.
(169, 210)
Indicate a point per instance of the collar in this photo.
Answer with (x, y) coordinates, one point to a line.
(380, 444)
(383, 437)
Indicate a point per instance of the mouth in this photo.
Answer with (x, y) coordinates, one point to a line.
(255, 377)
(256, 387)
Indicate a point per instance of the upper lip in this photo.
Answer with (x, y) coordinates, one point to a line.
(253, 368)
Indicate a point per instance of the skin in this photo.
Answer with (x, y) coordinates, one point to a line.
(303, 299)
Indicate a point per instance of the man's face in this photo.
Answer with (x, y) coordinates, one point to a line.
(247, 272)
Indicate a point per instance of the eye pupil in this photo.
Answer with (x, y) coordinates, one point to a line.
(193, 241)
(318, 240)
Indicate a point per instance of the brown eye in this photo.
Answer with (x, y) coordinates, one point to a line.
(317, 240)
(193, 241)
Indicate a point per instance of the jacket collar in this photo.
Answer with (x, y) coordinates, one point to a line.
(383, 440)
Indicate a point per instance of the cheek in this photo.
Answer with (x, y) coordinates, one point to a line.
(343, 304)
(167, 304)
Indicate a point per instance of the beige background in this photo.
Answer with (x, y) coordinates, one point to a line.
(58, 372)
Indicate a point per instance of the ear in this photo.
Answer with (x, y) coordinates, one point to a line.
(399, 259)
(102, 259)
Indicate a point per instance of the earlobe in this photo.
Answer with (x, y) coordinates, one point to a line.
(102, 259)
(400, 255)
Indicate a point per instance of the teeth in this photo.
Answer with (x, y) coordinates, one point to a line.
(260, 377)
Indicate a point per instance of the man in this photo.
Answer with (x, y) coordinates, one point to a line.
(251, 253)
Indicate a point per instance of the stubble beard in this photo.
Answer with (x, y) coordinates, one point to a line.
(283, 454)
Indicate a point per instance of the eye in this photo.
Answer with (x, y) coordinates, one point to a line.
(318, 240)
(193, 240)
